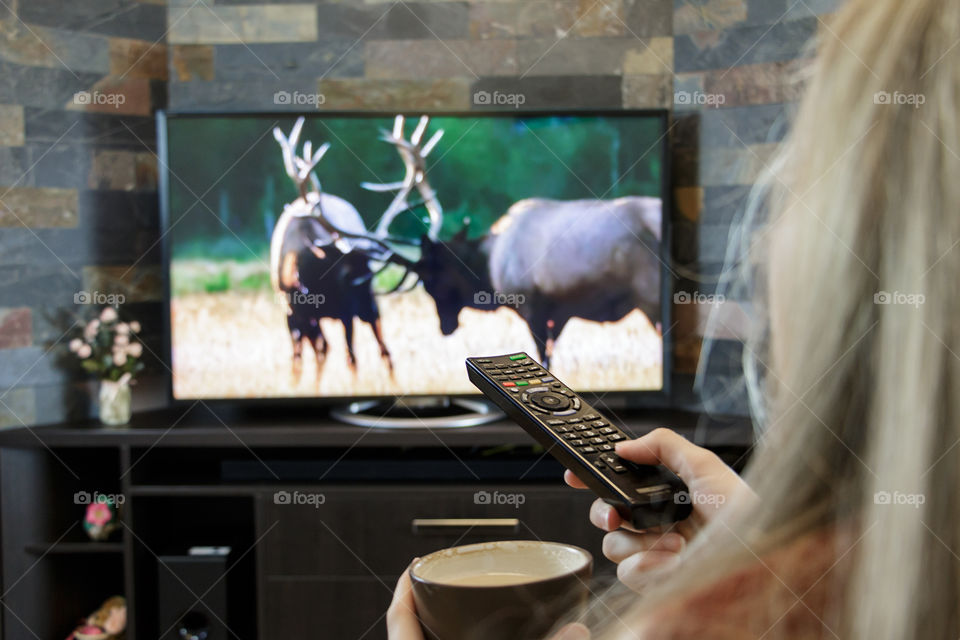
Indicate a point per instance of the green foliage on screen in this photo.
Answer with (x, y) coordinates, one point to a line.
(228, 185)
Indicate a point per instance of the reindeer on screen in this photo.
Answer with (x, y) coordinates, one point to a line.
(320, 260)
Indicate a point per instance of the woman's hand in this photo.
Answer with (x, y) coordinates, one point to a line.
(402, 623)
(711, 484)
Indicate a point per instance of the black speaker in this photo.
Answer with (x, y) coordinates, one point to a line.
(192, 597)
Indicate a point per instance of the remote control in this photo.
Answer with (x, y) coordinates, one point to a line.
(580, 438)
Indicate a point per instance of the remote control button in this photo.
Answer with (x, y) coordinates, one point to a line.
(522, 383)
(606, 447)
(514, 390)
(576, 404)
(549, 401)
(533, 368)
(567, 393)
(573, 420)
(582, 427)
(588, 434)
(557, 385)
(600, 423)
(619, 468)
(615, 437)
(509, 384)
(596, 440)
(549, 379)
(577, 443)
(555, 422)
(588, 450)
(591, 416)
(569, 436)
(599, 464)
(563, 430)
(610, 458)
(607, 431)
(518, 356)
(484, 360)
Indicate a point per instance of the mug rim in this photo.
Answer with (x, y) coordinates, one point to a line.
(586, 556)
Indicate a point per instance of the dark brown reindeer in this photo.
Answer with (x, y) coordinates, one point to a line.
(320, 260)
(549, 260)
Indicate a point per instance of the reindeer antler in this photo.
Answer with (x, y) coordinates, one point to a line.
(299, 169)
(414, 156)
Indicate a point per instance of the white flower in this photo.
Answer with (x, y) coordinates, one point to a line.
(135, 349)
(85, 351)
(119, 358)
(75, 345)
(121, 340)
(125, 379)
(123, 329)
(90, 331)
(135, 326)
(109, 314)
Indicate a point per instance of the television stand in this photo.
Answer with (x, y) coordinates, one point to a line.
(437, 412)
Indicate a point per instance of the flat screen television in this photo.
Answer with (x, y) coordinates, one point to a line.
(365, 255)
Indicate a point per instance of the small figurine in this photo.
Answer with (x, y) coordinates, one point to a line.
(106, 623)
(101, 518)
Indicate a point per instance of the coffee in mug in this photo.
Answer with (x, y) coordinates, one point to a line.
(509, 590)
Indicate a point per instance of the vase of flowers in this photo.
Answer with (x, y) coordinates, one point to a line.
(109, 348)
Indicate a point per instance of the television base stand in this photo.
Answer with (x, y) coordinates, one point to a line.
(418, 413)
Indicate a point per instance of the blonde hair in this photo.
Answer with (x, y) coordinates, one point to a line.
(860, 370)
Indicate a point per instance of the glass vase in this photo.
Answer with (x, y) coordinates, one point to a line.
(114, 402)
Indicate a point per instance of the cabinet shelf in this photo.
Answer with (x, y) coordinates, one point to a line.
(73, 548)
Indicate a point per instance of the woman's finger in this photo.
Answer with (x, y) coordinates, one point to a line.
(402, 623)
(635, 570)
(603, 516)
(620, 545)
(572, 480)
(669, 448)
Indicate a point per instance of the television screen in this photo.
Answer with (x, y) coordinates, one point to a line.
(366, 255)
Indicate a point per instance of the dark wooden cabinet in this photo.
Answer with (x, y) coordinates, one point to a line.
(321, 518)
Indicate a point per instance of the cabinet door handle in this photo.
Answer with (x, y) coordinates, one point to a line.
(481, 526)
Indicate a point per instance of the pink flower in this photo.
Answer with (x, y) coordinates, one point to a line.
(121, 340)
(90, 331)
(84, 352)
(75, 344)
(123, 329)
(99, 514)
(119, 358)
(135, 326)
(109, 314)
(135, 349)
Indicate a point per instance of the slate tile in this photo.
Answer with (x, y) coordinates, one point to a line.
(124, 18)
(37, 207)
(191, 62)
(743, 45)
(397, 59)
(16, 328)
(648, 18)
(11, 125)
(378, 95)
(218, 24)
(41, 87)
(406, 20)
(553, 92)
(54, 48)
(330, 57)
